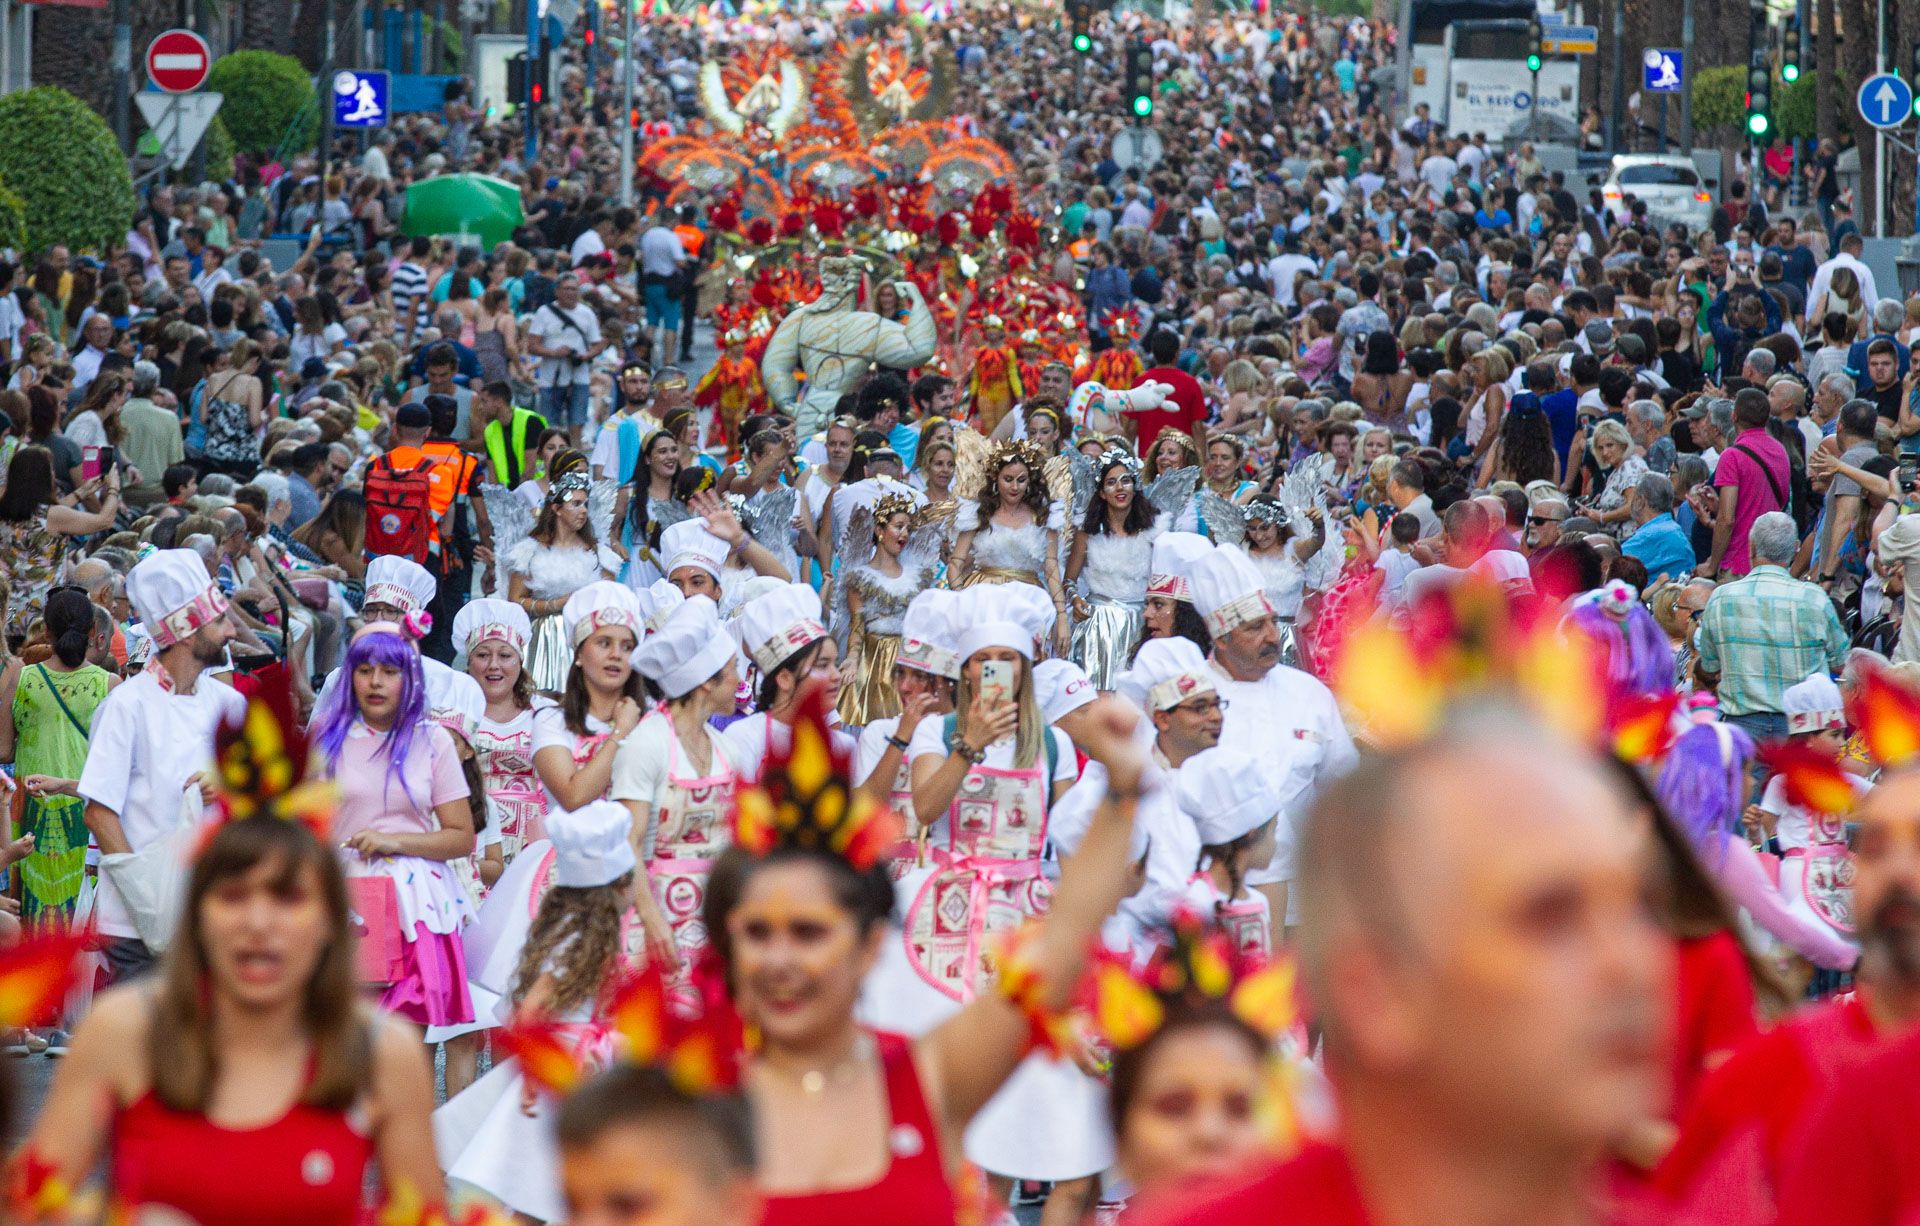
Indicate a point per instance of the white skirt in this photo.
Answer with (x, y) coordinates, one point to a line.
(484, 1140)
(493, 940)
(1048, 1122)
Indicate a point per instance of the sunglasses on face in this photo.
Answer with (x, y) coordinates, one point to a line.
(1537, 520)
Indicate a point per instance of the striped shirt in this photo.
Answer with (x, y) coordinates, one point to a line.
(1765, 632)
(409, 291)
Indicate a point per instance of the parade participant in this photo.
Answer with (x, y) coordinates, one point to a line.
(497, 1135)
(700, 554)
(852, 1125)
(1064, 692)
(402, 815)
(541, 572)
(52, 707)
(1235, 813)
(1490, 988)
(640, 508)
(1815, 865)
(1280, 716)
(636, 1149)
(731, 389)
(1009, 532)
(1749, 1114)
(252, 1049)
(781, 635)
(993, 383)
(899, 564)
(1280, 546)
(399, 588)
(1170, 610)
(576, 738)
(493, 635)
(1107, 567)
(151, 738)
(618, 444)
(924, 673)
(676, 775)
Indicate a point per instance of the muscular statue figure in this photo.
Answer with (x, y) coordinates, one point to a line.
(835, 343)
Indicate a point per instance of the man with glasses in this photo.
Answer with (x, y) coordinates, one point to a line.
(1283, 717)
(1543, 524)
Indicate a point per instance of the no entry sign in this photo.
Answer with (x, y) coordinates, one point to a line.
(178, 61)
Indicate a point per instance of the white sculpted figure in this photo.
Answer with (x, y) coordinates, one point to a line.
(836, 343)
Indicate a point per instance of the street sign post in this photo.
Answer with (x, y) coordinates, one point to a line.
(178, 121)
(1665, 71)
(361, 98)
(1885, 100)
(1571, 40)
(178, 61)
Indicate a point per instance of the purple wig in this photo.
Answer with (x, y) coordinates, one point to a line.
(337, 714)
(1639, 658)
(1703, 785)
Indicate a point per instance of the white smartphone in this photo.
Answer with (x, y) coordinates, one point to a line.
(996, 680)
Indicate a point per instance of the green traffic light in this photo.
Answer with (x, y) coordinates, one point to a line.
(1533, 63)
(1758, 124)
(1789, 73)
(1082, 43)
(1143, 105)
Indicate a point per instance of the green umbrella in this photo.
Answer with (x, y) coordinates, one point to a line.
(470, 206)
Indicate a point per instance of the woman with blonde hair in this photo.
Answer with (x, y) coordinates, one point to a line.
(1245, 393)
(1488, 371)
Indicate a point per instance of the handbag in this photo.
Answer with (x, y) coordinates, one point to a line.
(315, 594)
(373, 912)
(152, 882)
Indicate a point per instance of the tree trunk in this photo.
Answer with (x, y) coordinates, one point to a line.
(1858, 18)
(1826, 67)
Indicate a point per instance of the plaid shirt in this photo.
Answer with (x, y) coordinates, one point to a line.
(1765, 632)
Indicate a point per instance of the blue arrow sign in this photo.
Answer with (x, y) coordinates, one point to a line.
(1665, 71)
(360, 99)
(1885, 100)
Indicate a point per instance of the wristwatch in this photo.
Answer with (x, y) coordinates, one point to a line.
(975, 756)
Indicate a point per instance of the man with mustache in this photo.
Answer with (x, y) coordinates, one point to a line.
(1858, 1159)
(1276, 714)
(1490, 984)
(1748, 1117)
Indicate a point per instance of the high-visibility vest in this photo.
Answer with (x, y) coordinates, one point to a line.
(506, 460)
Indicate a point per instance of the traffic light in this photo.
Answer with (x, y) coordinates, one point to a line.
(1915, 76)
(1079, 19)
(521, 89)
(1140, 80)
(1536, 43)
(1759, 96)
(1792, 50)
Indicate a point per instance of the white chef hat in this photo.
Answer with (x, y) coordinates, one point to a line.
(756, 587)
(1009, 615)
(1228, 590)
(927, 634)
(1165, 673)
(400, 582)
(1226, 794)
(480, 621)
(1174, 554)
(1062, 687)
(659, 601)
(598, 605)
(687, 649)
(773, 627)
(688, 543)
(590, 844)
(460, 704)
(1814, 705)
(173, 595)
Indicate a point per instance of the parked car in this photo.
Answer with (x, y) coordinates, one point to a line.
(1669, 185)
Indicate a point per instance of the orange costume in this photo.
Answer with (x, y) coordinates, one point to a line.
(1118, 368)
(732, 388)
(994, 386)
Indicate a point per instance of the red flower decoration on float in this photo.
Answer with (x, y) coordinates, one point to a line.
(829, 220)
(793, 224)
(760, 233)
(948, 228)
(724, 216)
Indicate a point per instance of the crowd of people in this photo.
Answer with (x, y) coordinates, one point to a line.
(637, 759)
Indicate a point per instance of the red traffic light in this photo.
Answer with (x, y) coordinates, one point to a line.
(537, 93)
(589, 36)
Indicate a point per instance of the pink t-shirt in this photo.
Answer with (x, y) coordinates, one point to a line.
(371, 800)
(1755, 495)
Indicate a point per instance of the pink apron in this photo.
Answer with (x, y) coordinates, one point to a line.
(1825, 869)
(519, 802)
(1245, 924)
(989, 879)
(690, 830)
(909, 853)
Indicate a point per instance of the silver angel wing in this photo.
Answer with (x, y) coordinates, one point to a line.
(512, 521)
(1324, 566)
(857, 548)
(1169, 491)
(664, 513)
(768, 518)
(1298, 492)
(601, 496)
(926, 542)
(1226, 522)
(1084, 482)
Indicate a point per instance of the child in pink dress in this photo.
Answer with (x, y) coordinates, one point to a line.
(402, 814)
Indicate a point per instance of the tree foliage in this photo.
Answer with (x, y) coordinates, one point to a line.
(1796, 111)
(1719, 97)
(60, 159)
(265, 93)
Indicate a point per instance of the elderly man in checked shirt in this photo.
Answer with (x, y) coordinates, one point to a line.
(1767, 631)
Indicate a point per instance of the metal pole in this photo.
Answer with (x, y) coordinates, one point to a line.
(326, 108)
(1686, 87)
(1533, 109)
(122, 72)
(1880, 139)
(626, 104)
(1617, 113)
(528, 118)
(1403, 61)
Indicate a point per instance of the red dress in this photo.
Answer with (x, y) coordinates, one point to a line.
(307, 1168)
(1714, 1013)
(913, 1192)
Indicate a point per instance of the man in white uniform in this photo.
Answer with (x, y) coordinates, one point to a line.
(153, 736)
(1279, 715)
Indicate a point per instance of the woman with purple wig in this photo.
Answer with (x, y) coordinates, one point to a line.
(402, 815)
(1639, 657)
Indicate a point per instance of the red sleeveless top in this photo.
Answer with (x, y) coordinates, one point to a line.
(913, 1192)
(307, 1168)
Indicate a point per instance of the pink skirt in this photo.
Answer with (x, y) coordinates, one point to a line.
(432, 987)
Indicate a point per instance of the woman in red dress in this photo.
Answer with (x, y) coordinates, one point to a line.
(854, 1126)
(249, 1083)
